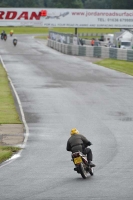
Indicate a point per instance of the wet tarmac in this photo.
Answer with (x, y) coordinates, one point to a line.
(59, 92)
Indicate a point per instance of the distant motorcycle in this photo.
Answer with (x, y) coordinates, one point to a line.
(2, 37)
(81, 164)
(11, 32)
(5, 37)
(15, 42)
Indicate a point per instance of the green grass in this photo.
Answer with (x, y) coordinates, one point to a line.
(41, 30)
(6, 152)
(70, 30)
(8, 112)
(90, 37)
(44, 37)
(86, 30)
(119, 65)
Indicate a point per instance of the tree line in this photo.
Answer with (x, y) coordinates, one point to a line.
(86, 4)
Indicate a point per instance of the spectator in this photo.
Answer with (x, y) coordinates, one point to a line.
(119, 43)
(92, 42)
(109, 42)
(81, 41)
(101, 38)
(97, 42)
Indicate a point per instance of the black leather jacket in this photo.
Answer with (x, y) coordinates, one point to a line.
(77, 140)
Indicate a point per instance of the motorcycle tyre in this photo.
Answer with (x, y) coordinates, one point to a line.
(91, 171)
(83, 172)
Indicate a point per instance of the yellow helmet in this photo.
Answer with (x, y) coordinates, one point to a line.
(74, 131)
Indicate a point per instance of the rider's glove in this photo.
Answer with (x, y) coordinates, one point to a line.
(89, 143)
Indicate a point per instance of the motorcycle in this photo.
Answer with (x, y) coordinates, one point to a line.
(15, 42)
(81, 164)
(11, 32)
(5, 37)
(2, 36)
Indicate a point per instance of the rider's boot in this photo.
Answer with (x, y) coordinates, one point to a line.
(91, 164)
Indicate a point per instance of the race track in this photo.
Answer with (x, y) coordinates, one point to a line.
(59, 92)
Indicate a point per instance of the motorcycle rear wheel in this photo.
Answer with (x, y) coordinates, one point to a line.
(83, 172)
(91, 172)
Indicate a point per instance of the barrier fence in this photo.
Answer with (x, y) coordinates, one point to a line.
(92, 51)
(90, 34)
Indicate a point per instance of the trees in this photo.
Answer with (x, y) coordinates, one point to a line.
(66, 4)
(18, 3)
(117, 4)
(98, 4)
(73, 4)
(39, 3)
(89, 4)
(42, 3)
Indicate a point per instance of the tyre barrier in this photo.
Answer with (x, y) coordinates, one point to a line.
(92, 51)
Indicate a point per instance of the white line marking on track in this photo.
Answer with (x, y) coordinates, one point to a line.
(23, 119)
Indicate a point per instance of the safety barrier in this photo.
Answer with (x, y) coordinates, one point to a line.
(90, 34)
(92, 51)
(88, 42)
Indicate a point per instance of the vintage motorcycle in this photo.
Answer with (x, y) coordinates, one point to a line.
(2, 36)
(81, 164)
(5, 37)
(15, 42)
(11, 33)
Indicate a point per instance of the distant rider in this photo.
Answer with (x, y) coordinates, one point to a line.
(11, 32)
(15, 41)
(3, 34)
(78, 142)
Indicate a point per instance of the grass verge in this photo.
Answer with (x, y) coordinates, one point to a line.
(119, 65)
(41, 30)
(7, 152)
(8, 112)
(44, 37)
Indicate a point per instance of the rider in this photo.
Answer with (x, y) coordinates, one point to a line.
(3, 34)
(15, 40)
(78, 142)
(11, 32)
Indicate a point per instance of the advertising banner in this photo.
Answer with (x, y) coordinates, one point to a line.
(83, 18)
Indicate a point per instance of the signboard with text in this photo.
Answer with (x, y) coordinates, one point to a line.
(83, 18)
